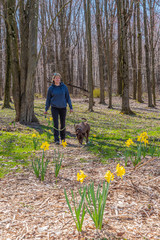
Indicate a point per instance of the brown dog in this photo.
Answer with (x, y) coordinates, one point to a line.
(82, 130)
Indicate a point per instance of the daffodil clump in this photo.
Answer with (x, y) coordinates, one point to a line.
(92, 201)
(35, 138)
(143, 138)
(142, 142)
(39, 165)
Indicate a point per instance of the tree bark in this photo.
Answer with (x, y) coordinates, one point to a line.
(24, 61)
(1, 80)
(124, 15)
(119, 55)
(6, 103)
(100, 53)
(44, 49)
(139, 38)
(89, 51)
(147, 62)
(134, 55)
(152, 27)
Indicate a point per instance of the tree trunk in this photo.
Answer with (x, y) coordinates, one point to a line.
(147, 56)
(43, 11)
(100, 53)
(6, 103)
(23, 70)
(14, 56)
(139, 37)
(89, 51)
(108, 54)
(27, 112)
(119, 55)
(124, 21)
(1, 80)
(134, 55)
(151, 3)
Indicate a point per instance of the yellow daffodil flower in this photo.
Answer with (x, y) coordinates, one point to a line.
(94, 135)
(120, 170)
(109, 176)
(81, 177)
(45, 146)
(145, 141)
(129, 142)
(64, 144)
(49, 131)
(51, 119)
(143, 137)
(33, 135)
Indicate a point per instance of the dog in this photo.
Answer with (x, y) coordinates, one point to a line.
(82, 130)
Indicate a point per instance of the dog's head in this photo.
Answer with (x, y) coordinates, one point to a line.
(80, 135)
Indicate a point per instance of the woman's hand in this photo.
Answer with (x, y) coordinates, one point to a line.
(45, 112)
(71, 110)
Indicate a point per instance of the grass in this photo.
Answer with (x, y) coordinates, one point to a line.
(111, 128)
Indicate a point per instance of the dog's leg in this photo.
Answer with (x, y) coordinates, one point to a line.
(87, 135)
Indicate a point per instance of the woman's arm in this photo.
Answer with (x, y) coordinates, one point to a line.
(68, 99)
(48, 100)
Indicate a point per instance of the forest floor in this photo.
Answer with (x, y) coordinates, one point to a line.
(31, 209)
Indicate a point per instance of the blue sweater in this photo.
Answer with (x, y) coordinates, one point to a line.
(58, 96)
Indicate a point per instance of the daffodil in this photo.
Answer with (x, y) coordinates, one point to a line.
(142, 137)
(64, 144)
(109, 176)
(94, 135)
(51, 119)
(145, 141)
(129, 142)
(81, 177)
(145, 135)
(45, 146)
(50, 131)
(120, 171)
(33, 135)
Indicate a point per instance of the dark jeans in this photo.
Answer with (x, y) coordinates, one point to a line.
(62, 113)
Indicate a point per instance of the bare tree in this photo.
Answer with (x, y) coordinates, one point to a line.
(152, 28)
(23, 61)
(100, 53)
(89, 51)
(43, 12)
(6, 103)
(125, 12)
(147, 62)
(139, 36)
(1, 80)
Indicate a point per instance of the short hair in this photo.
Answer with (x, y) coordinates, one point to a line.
(55, 75)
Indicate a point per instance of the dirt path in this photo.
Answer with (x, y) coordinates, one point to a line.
(30, 209)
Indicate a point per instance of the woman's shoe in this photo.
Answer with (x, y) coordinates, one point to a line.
(57, 142)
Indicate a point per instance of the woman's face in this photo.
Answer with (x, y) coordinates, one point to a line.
(57, 80)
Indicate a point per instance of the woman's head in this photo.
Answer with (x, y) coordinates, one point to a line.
(56, 79)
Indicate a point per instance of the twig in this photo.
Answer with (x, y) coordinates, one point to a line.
(152, 159)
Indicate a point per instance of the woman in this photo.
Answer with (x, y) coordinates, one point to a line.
(58, 97)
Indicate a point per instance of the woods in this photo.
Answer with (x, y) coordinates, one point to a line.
(110, 45)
